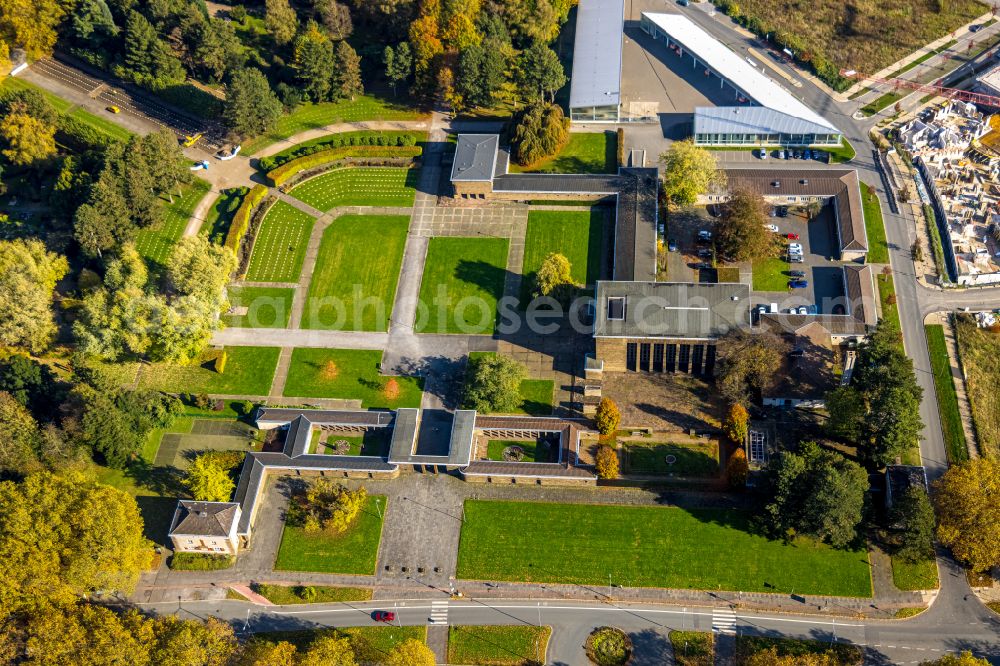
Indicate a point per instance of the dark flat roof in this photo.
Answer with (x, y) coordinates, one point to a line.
(672, 309)
(321, 417)
(841, 184)
(635, 225)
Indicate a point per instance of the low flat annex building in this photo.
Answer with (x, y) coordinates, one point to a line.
(595, 87)
(763, 112)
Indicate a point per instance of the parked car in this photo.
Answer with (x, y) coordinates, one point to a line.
(795, 247)
(683, 3)
(976, 27)
(798, 154)
(703, 264)
(782, 211)
(792, 236)
(807, 155)
(672, 245)
(797, 274)
(114, 109)
(795, 258)
(704, 235)
(383, 616)
(761, 309)
(762, 153)
(802, 310)
(798, 284)
(704, 252)
(773, 228)
(785, 154)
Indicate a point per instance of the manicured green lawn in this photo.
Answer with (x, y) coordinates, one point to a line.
(462, 271)
(156, 243)
(357, 267)
(843, 153)
(374, 442)
(920, 575)
(771, 274)
(220, 215)
(359, 186)
(352, 552)
(539, 450)
(648, 547)
(493, 645)
(280, 245)
(348, 374)
(269, 307)
(577, 235)
(701, 459)
(537, 395)
(312, 116)
(881, 102)
(585, 152)
(887, 295)
(947, 398)
(299, 594)
(248, 371)
(878, 248)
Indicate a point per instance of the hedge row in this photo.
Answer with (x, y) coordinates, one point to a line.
(241, 220)
(285, 172)
(391, 138)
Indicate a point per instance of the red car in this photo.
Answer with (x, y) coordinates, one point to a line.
(384, 616)
(792, 236)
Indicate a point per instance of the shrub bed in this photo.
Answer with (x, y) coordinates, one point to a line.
(200, 562)
(345, 139)
(609, 646)
(285, 172)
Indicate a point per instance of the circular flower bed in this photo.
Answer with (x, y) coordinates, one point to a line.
(608, 646)
(339, 447)
(513, 454)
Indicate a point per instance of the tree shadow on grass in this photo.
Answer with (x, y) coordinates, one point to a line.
(484, 275)
(156, 512)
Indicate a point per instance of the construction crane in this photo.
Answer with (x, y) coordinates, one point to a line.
(977, 98)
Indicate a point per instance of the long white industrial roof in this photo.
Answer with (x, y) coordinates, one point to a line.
(597, 54)
(735, 69)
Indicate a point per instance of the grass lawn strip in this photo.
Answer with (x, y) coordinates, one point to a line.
(359, 261)
(647, 547)
(878, 248)
(497, 645)
(462, 282)
(268, 307)
(689, 459)
(912, 576)
(313, 116)
(575, 234)
(156, 243)
(353, 551)
(585, 152)
(771, 274)
(348, 374)
(947, 398)
(980, 352)
(280, 246)
(693, 648)
(320, 594)
(359, 186)
(249, 371)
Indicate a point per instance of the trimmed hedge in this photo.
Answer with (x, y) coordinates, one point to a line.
(361, 138)
(285, 172)
(200, 562)
(620, 146)
(241, 220)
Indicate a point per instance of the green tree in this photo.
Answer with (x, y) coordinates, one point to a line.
(968, 505)
(740, 234)
(198, 267)
(335, 17)
(216, 49)
(29, 382)
(251, 107)
(398, 64)
(541, 73)
(818, 493)
(280, 20)
(348, 75)
(148, 61)
(314, 62)
(329, 506)
(608, 417)
(410, 652)
(737, 424)
(19, 438)
(159, 155)
(104, 222)
(29, 140)
(606, 462)
(92, 22)
(62, 537)
(748, 364)
(61, 633)
(688, 172)
(28, 276)
(554, 277)
(208, 482)
(846, 409)
(541, 130)
(915, 516)
(481, 74)
(494, 384)
(328, 651)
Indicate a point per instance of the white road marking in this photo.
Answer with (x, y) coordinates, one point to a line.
(724, 621)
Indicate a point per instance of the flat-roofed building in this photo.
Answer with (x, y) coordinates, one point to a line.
(666, 326)
(595, 86)
(763, 113)
(475, 162)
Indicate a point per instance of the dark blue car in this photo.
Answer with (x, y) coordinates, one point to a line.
(798, 284)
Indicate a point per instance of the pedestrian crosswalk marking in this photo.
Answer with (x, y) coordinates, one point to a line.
(439, 612)
(723, 621)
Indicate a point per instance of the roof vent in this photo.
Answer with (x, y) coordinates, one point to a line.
(775, 183)
(804, 181)
(203, 514)
(735, 298)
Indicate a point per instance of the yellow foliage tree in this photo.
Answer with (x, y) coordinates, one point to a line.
(328, 650)
(28, 139)
(606, 462)
(410, 653)
(964, 659)
(737, 425)
(737, 469)
(608, 417)
(968, 503)
(31, 24)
